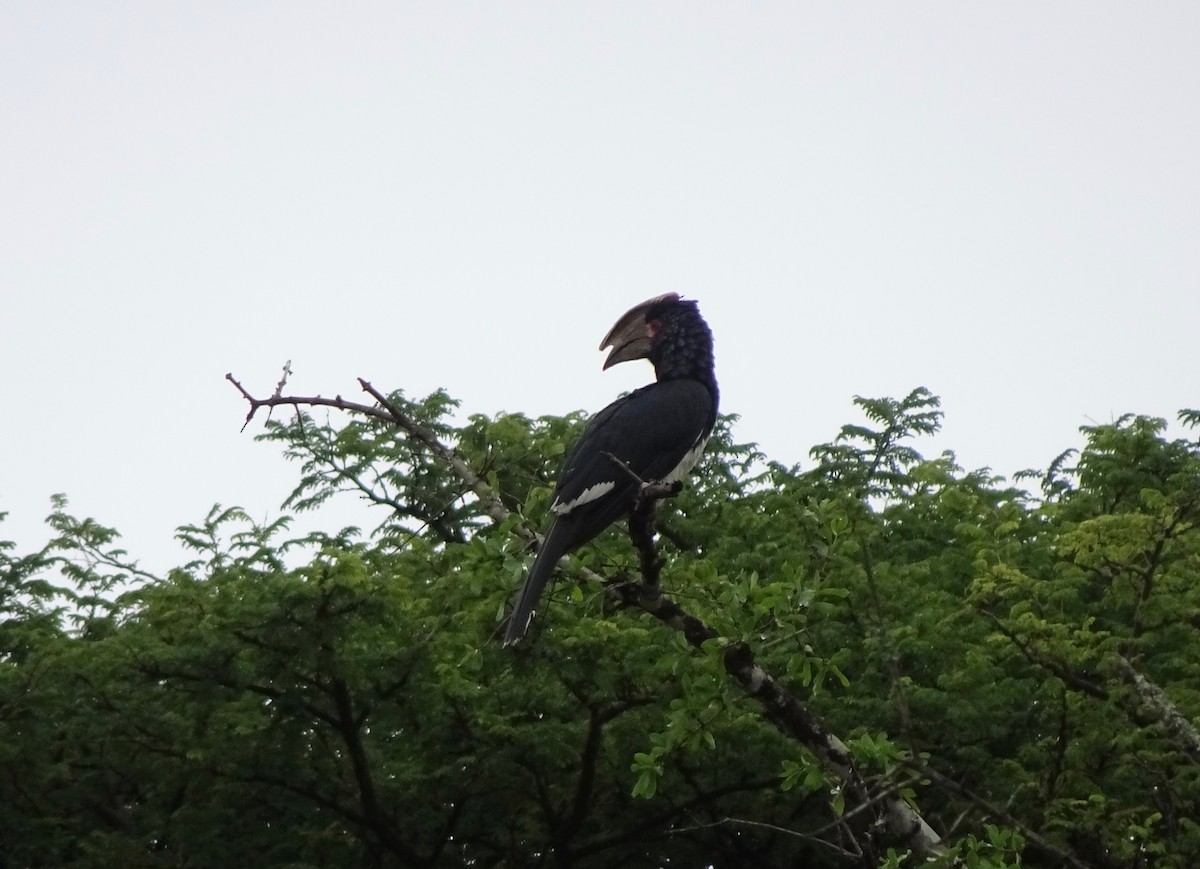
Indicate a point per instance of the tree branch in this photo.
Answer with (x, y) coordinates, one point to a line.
(641, 527)
(570, 825)
(298, 401)
(660, 819)
(1060, 857)
(1174, 723)
(904, 826)
(774, 828)
(373, 812)
(1072, 680)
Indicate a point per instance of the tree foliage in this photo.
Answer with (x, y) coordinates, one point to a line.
(1022, 668)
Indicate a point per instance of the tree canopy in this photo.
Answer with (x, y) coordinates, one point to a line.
(877, 659)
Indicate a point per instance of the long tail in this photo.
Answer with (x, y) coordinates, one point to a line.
(552, 550)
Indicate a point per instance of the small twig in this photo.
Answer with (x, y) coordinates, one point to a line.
(620, 463)
(287, 371)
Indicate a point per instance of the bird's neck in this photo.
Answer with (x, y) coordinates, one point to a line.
(687, 366)
(684, 351)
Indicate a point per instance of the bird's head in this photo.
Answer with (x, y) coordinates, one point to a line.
(632, 337)
(668, 331)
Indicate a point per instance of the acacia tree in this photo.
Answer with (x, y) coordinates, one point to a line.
(808, 657)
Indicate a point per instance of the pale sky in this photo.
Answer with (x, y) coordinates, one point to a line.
(998, 201)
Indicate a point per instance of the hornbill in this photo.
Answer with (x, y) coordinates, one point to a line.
(653, 434)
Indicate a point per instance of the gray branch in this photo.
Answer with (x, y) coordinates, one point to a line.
(1178, 728)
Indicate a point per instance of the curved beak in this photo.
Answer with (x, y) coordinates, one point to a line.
(631, 338)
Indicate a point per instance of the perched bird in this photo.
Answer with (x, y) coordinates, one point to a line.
(658, 432)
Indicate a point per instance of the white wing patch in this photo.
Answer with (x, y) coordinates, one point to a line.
(587, 496)
(687, 463)
(598, 491)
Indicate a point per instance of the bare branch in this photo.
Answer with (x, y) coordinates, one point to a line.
(299, 401)
(388, 411)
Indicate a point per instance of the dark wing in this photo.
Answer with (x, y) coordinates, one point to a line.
(653, 431)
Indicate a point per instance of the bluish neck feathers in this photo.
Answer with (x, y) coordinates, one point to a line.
(683, 344)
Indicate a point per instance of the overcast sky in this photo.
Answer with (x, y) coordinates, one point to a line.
(998, 201)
